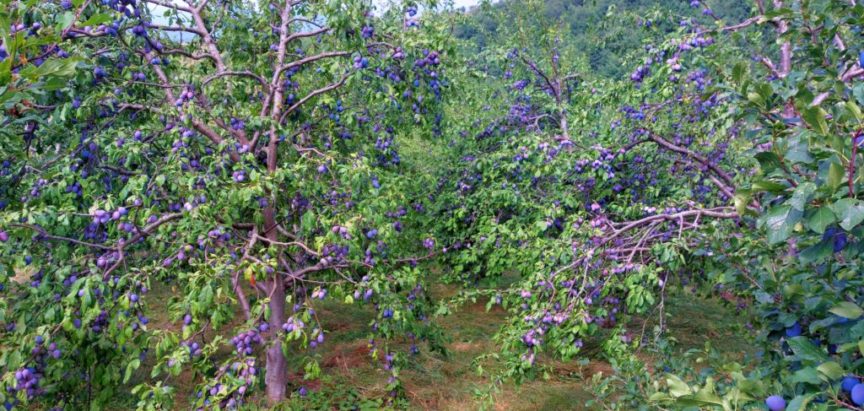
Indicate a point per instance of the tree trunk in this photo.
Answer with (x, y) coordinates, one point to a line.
(565, 128)
(276, 374)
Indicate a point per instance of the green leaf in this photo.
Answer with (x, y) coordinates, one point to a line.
(66, 20)
(742, 200)
(815, 118)
(817, 252)
(780, 221)
(806, 375)
(97, 19)
(706, 395)
(660, 397)
(799, 403)
(769, 186)
(802, 195)
(798, 152)
(805, 350)
(822, 218)
(854, 110)
(768, 161)
(832, 370)
(835, 175)
(848, 310)
(677, 387)
(850, 212)
(130, 368)
(738, 72)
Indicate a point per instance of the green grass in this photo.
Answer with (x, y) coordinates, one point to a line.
(436, 382)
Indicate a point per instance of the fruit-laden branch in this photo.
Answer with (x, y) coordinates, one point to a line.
(619, 229)
(53, 48)
(541, 74)
(640, 235)
(555, 84)
(312, 94)
(46, 235)
(144, 232)
(624, 227)
(307, 60)
(118, 248)
(293, 275)
(727, 180)
(197, 124)
(726, 186)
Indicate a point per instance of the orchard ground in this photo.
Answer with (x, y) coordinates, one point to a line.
(436, 382)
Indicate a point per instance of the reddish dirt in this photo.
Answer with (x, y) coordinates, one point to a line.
(355, 356)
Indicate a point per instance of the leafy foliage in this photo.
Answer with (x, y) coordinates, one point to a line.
(254, 168)
(585, 162)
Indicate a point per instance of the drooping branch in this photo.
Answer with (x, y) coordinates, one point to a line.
(624, 227)
(693, 155)
(642, 233)
(45, 234)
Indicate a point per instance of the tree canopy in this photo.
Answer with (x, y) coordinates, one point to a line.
(572, 165)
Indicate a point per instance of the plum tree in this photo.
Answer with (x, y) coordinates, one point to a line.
(217, 161)
(244, 158)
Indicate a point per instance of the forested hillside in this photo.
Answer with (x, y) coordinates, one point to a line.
(608, 33)
(525, 205)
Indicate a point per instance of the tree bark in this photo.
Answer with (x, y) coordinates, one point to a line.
(276, 374)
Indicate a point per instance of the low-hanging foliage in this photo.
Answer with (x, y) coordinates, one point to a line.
(727, 162)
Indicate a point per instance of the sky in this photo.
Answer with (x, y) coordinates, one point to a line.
(464, 3)
(456, 3)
